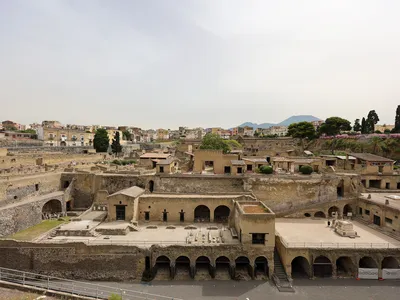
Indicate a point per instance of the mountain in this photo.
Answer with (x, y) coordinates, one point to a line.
(287, 122)
(255, 125)
(296, 119)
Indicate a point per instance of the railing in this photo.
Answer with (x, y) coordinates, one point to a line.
(130, 243)
(341, 245)
(78, 288)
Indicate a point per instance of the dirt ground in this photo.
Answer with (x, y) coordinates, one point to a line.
(11, 294)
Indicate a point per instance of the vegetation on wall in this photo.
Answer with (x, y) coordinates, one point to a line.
(215, 142)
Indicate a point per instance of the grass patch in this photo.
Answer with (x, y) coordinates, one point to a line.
(37, 230)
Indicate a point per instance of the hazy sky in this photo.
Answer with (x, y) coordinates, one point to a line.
(166, 63)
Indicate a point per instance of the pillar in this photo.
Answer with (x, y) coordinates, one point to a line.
(334, 271)
(172, 270)
(192, 270)
(380, 271)
(367, 183)
(232, 270)
(212, 271)
(271, 269)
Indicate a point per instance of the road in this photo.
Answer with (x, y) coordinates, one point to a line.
(329, 289)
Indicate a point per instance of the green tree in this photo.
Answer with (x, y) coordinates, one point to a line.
(364, 126)
(372, 120)
(126, 135)
(301, 130)
(215, 142)
(116, 147)
(396, 128)
(357, 125)
(101, 141)
(334, 125)
(376, 143)
(266, 170)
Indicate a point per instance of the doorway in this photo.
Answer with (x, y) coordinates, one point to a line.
(377, 220)
(165, 215)
(182, 216)
(147, 216)
(120, 212)
(249, 168)
(227, 170)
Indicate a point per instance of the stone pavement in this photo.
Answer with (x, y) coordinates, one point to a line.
(329, 289)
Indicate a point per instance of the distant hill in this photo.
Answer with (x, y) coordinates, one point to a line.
(287, 122)
(297, 119)
(255, 125)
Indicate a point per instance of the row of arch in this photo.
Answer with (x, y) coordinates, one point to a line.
(203, 214)
(241, 266)
(323, 267)
(333, 209)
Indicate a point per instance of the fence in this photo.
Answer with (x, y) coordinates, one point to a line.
(130, 243)
(341, 245)
(77, 288)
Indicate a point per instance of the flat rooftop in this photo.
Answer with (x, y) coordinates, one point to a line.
(309, 233)
(380, 198)
(255, 208)
(152, 234)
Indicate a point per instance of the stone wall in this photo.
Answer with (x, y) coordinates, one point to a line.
(111, 262)
(16, 217)
(15, 189)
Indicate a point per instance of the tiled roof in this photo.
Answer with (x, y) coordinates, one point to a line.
(371, 157)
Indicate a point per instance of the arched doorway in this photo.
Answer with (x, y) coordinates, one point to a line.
(300, 267)
(340, 189)
(51, 209)
(333, 210)
(162, 268)
(345, 267)
(390, 262)
(151, 186)
(242, 268)
(367, 262)
(63, 144)
(202, 214)
(221, 214)
(261, 267)
(307, 215)
(347, 209)
(322, 267)
(222, 268)
(182, 265)
(203, 268)
(319, 214)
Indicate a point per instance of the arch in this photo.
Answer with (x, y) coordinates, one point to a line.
(307, 215)
(319, 214)
(368, 263)
(333, 209)
(162, 267)
(347, 209)
(322, 267)
(242, 268)
(340, 189)
(203, 267)
(51, 207)
(222, 268)
(151, 186)
(345, 267)
(202, 214)
(261, 266)
(63, 144)
(390, 262)
(300, 267)
(182, 267)
(221, 214)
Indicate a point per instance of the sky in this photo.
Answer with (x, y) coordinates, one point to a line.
(170, 63)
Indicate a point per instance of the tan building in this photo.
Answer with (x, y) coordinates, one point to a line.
(383, 128)
(293, 164)
(167, 166)
(121, 205)
(215, 162)
(370, 164)
(151, 159)
(65, 137)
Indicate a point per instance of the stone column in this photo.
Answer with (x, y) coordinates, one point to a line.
(367, 183)
(380, 272)
(232, 270)
(212, 271)
(334, 271)
(192, 270)
(172, 270)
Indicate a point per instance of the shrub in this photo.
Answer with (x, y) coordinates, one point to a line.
(115, 297)
(306, 170)
(266, 169)
(116, 161)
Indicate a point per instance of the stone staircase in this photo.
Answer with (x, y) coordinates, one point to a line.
(377, 228)
(280, 277)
